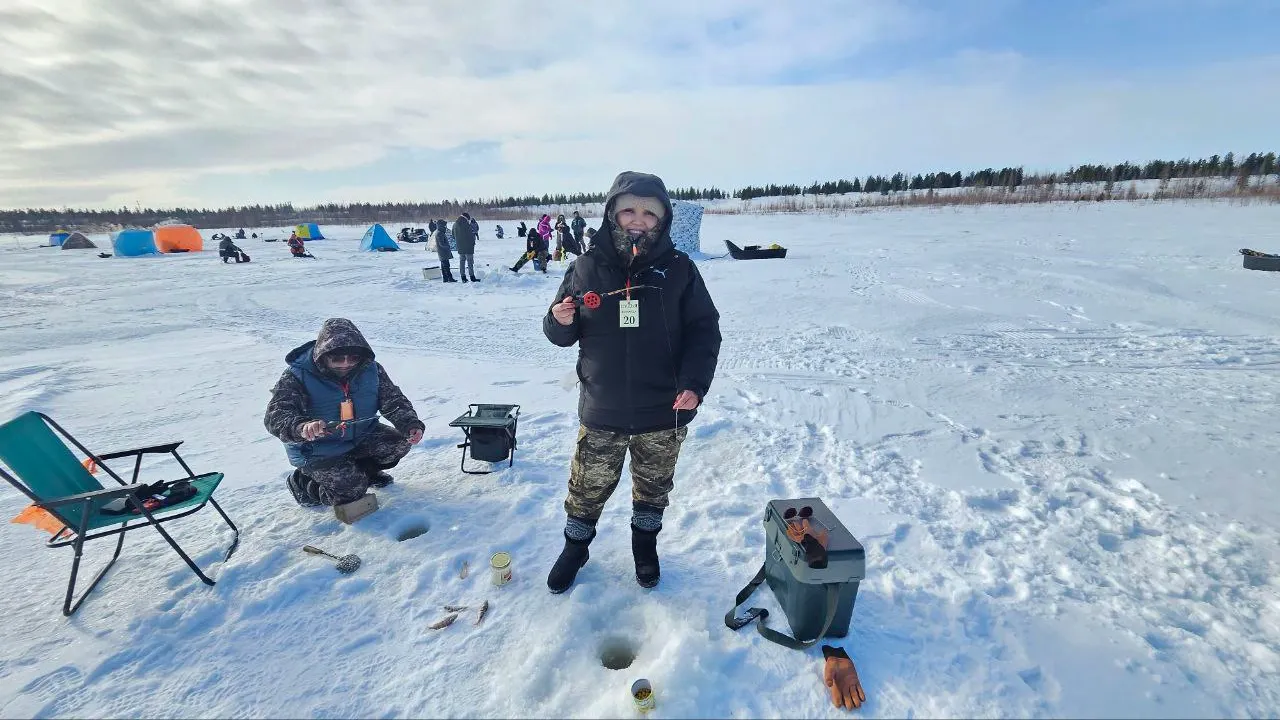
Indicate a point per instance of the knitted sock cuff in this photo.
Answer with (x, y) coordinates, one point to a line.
(646, 517)
(579, 530)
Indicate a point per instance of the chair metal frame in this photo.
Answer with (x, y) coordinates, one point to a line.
(80, 521)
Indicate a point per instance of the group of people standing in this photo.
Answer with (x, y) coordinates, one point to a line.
(571, 237)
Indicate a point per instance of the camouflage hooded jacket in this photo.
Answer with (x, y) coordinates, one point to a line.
(291, 405)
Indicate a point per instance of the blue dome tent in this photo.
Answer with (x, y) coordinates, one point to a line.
(57, 238)
(132, 243)
(376, 238)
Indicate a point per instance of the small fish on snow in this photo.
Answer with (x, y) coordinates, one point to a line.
(442, 624)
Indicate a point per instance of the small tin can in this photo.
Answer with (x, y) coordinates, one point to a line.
(500, 565)
(642, 695)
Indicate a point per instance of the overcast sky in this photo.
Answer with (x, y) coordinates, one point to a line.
(218, 102)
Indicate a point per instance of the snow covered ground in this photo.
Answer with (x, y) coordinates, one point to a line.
(1053, 427)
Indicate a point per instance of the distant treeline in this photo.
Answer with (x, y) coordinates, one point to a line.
(42, 219)
(1224, 166)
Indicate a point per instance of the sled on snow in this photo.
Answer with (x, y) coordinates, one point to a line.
(1256, 260)
(755, 252)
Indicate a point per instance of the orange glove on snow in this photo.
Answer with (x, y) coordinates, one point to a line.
(841, 678)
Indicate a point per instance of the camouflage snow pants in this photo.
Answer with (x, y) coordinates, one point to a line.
(597, 467)
(539, 262)
(341, 479)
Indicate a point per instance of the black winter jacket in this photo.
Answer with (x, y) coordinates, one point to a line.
(630, 376)
(534, 243)
(464, 236)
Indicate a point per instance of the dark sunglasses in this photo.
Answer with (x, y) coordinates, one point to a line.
(345, 357)
(805, 512)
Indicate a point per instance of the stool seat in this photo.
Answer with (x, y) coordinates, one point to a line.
(490, 431)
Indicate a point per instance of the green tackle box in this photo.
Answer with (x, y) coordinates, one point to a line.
(803, 591)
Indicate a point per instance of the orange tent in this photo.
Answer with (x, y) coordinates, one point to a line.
(178, 238)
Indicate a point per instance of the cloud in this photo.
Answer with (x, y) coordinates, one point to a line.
(232, 101)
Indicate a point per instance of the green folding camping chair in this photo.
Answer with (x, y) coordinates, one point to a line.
(44, 469)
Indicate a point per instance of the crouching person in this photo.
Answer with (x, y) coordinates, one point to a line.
(228, 250)
(325, 410)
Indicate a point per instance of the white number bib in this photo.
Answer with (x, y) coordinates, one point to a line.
(628, 313)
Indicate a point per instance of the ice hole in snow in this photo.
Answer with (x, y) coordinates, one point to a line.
(617, 653)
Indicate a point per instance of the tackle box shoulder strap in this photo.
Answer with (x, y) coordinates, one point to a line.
(760, 614)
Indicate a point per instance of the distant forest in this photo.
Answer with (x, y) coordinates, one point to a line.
(40, 220)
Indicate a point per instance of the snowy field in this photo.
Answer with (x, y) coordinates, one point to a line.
(1053, 427)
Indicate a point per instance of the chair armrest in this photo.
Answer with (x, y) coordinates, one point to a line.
(103, 494)
(165, 448)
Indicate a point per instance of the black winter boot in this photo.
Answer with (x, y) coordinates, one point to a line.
(644, 548)
(297, 483)
(474, 278)
(573, 556)
(462, 275)
(646, 523)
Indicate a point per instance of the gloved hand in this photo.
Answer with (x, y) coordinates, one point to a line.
(841, 678)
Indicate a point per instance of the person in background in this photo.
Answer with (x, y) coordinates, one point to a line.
(535, 250)
(578, 225)
(563, 233)
(443, 252)
(297, 247)
(542, 254)
(228, 250)
(571, 246)
(544, 228)
(464, 235)
(589, 240)
(325, 408)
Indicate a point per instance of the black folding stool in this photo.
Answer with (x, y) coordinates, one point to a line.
(490, 432)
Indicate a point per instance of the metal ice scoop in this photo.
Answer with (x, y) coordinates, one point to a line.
(347, 564)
